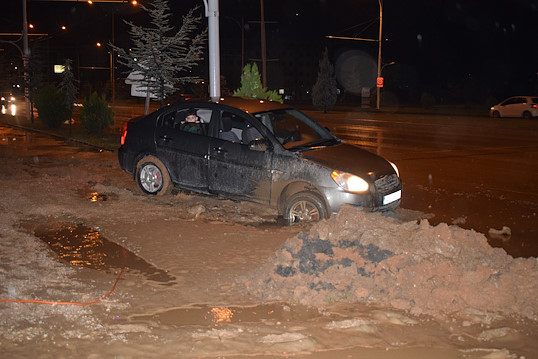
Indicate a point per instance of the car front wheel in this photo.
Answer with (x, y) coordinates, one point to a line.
(496, 114)
(304, 207)
(152, 176)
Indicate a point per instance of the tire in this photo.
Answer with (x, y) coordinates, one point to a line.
(527, 115)
(304, 207)
(496, 114)
(152, 176)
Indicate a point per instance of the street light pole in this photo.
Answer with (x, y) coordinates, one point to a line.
(212, 14)
(112, 75)
(242, 28)
(111, 68)
(263, 45)
(378, 100)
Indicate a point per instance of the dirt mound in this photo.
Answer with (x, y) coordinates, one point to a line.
(366, 257)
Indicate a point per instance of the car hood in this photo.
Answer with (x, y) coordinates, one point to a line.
(352, 159)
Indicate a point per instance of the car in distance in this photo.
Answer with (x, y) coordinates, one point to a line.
(260, 151)
(7, 101)
(517, 106)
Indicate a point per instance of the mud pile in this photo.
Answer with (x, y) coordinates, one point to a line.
(366, 257)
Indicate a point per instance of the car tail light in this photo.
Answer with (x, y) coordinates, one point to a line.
(534, 105)
(123, 134)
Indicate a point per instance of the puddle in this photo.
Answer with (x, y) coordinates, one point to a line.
(94, 196)
(97, 197)
(213, 316)
(83, 246)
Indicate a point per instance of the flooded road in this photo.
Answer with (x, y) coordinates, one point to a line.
(65, 201)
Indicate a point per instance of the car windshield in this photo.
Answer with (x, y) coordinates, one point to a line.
(294, 130)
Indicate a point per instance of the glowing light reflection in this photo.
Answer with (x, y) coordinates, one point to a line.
(221, 315)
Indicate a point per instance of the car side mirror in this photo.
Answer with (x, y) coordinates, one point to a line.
(258, 144)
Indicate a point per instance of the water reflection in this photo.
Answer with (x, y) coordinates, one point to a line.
(84, 246)
(215, 316)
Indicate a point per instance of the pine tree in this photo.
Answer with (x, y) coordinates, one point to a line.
(325, 91)
(251, 85)
(163, 57)
(68, 86)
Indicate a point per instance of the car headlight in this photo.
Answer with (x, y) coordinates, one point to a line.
(395, 169)
(349, 182)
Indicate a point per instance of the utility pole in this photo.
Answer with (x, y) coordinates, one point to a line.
(25, 59)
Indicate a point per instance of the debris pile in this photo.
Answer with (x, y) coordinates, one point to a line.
(365, 257)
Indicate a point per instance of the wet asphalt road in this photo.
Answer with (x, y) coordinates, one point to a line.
(474, 171)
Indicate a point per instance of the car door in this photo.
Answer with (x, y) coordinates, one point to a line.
(185, 153)
(240, 159)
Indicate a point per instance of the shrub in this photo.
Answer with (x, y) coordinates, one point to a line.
(251, 85)
(95, 114)
(50, 106)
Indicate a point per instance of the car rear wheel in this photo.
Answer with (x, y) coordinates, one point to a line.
(304, 207)
(527, 114)
(152, 176)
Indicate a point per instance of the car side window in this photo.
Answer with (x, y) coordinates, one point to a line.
(168, 119)
(520, 100)
(235, 128)
(192, 120)
(510, 101)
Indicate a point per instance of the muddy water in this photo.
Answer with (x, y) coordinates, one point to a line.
(84, 246)
(207, 315)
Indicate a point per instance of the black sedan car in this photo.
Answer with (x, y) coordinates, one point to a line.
(256, 150)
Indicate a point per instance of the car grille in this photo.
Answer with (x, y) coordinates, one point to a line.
(387, 184)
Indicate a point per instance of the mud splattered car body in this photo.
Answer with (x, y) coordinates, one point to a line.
(259, 151)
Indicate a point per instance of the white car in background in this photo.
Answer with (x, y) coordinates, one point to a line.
(517, 106)
(8, 105)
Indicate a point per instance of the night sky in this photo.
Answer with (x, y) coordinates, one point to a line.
(466, 51)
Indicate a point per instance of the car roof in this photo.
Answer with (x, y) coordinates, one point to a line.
(252, 105)
(524, 96)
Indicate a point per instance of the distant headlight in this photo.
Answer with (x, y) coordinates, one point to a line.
(349, 182)
(395, 169)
